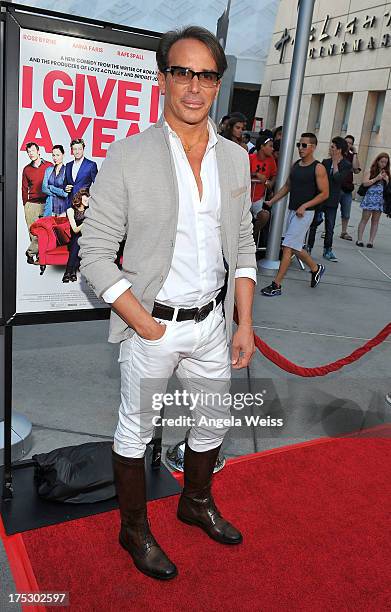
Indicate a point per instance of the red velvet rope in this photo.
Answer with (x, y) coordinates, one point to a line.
(284, 363)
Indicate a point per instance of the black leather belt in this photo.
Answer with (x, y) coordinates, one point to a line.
(186, 314)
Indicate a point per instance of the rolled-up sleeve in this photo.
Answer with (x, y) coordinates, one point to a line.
(246, 273)
(113, 293)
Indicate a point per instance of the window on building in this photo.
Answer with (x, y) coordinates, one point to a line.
(381, 95)
(245, 99)
(320, 110)
(346, 114)
(315, 114)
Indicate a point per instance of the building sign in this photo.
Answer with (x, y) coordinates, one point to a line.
(280, 45)
(325, 38)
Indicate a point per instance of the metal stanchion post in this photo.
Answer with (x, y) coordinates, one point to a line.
(291, 115)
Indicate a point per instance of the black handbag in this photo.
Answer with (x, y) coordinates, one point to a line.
(387, 199)
(361, 191)
(80, 474)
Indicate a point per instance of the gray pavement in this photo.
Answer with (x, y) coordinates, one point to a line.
(66, 378)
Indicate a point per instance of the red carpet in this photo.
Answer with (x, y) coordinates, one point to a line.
(316, 526)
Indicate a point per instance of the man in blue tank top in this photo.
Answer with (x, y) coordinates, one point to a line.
(308, 187)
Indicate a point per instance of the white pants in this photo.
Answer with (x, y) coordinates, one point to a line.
(198, 354)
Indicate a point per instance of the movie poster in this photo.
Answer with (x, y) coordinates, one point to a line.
(84, 92)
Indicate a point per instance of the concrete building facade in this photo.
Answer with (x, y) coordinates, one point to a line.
(347, 86)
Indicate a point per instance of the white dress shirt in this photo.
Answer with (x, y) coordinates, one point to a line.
(75, 168)
(197, 270)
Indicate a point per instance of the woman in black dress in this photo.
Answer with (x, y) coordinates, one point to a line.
(75, 216)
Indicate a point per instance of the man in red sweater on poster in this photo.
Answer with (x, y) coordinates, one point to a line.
(32, 196)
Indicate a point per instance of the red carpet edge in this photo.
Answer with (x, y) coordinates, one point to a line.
(22, 572)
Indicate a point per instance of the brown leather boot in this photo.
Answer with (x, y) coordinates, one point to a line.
(135, 535)
(196, 504)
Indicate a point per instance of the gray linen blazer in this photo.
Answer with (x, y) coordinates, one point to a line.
(135, 194)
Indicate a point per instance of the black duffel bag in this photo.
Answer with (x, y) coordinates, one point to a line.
(76, 474)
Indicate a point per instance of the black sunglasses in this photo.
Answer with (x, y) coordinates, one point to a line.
(184, 76)
(303, 145)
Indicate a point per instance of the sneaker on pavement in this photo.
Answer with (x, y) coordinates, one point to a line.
(329, 255)
(316, 276)
(388, 398)
(271, 290)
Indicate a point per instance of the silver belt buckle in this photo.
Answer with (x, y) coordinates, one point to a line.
(201, 314)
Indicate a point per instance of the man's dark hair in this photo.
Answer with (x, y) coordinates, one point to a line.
(59, 147)
(77, 141)
(341, 144)
(263, 139)
(32, 144)
(197, 33)
(266, 132)
(311, 137)
(350, 136)
(247, 136)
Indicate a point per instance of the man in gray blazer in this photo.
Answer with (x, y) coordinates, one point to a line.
(189, 256)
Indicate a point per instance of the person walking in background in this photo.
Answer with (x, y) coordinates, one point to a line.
(347, 187)
(338, 169)
(375, 180)
(277, 133)
(234, 131)
(79, 173)
(248, 143)
(53, 185)
(223, 124)
(263, 175)
(308, 187)
(33, 197)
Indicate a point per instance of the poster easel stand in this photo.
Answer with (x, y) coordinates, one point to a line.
(6, 365)
(21, 508)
